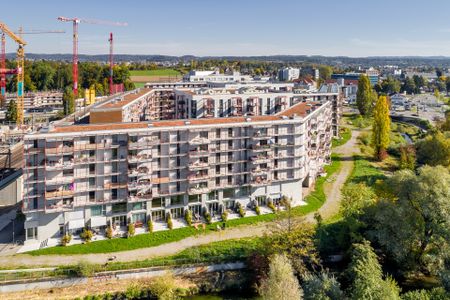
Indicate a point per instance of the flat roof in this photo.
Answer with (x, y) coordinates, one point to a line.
(126, 99)
(299, 109)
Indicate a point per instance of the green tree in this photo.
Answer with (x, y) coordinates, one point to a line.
(381, 128)
(68, 101)
(434, 150)
(390, 85)
(281, 283)
(325, 72)
(365, 96)
(413, 223)
(407, 157)
(409, 86)
(367, 277)
(11, 112)
(322, 287)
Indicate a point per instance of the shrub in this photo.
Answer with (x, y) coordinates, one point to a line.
(241, 211)
(86, 235)
(150, 226)
(65, 239)
(188, 217)
(207, 217)
(109, 232)
(131, 230)
(258, 210)
(364, 138)
(224, 216)
(84, 269)
(272, 207)
(169, 222)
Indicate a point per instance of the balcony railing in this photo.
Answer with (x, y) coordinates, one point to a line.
(58, 207)
(199, 141)
(58, 150)
(198, 165)
(59, 165)
(60, 180)
(198, 190)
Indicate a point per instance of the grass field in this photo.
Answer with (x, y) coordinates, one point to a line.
(158, 72)
(314, 201)
(345, 134)
(139, 84)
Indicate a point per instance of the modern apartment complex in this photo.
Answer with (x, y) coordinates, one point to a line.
(135, 167)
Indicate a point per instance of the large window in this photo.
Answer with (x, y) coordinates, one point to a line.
(228, 193)
(119, 207)
(194, 198)
(32, 233)
(139, 205)
(214, 195)
(98, 210)
(157, 202)
(177, 200)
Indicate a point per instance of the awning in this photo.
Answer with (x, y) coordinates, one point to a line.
(76, 224)
(98, 221)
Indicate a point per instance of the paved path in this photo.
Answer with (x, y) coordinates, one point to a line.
(331, 206)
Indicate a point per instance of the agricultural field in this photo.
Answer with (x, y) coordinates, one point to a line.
(159, 75)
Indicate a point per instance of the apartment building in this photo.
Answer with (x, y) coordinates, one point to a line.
(100, 175)
(38, 99)
(288, 74)
(215, 76)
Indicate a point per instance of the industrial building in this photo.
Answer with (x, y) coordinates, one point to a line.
(141, 158)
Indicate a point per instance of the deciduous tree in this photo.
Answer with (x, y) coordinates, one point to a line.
(281, 283)
(365, 96)
(434, 150)
(68, 101)
(11, 112)
(381, 128)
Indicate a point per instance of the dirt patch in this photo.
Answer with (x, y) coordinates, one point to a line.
(155, 78)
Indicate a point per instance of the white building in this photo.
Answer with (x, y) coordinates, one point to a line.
(288, 74)
(215, 76)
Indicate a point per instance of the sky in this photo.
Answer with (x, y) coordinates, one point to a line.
(354, 28)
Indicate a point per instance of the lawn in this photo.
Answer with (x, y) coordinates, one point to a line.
(139, 84)
(157, 72)
(314, 201)
(345, 134)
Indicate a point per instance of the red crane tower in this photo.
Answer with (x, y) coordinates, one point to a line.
(75, 22)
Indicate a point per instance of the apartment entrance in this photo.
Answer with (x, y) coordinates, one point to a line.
(158, 216)
(177, 213)
(119, 221)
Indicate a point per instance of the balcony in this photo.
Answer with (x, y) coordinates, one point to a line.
(198, 190)
(143, 143)
(198, 165)
(199, 141)
(58, 194)
(261, 159)
(259, 171)
(59, 206)
(259, 182)
(58, 150)
(115, 185)
(59, 166)
(200, 177)
(198, 153)
(139, 158)
(59, 180)
(84, 159)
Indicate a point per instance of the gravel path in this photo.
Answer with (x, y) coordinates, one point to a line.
(332, 191)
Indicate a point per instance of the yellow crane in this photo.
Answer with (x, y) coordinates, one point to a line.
(20, 69)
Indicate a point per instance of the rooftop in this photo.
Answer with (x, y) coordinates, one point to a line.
(301, 109)
(126, 99)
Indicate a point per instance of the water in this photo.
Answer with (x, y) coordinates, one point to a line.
(408, 140)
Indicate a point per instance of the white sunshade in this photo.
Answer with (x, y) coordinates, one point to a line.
(98, 221)
(76, 224)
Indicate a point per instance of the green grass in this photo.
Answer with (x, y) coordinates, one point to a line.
(364, 172)
(157, 72)
(314, 201)
(345, 134)
(139, 84)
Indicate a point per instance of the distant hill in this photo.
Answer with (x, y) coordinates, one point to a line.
(441, 61)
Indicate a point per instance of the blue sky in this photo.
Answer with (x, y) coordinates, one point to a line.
(240, 27)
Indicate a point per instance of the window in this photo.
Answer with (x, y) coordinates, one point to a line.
(92, 140)
(98, 210)
(92, 182)
(139, 205)
(230, 167)
(230, 180)
(194, 198)
(32, 233)
(218, 169)
(217, 133)
(214, 195)
(91, 196)
(157, 202)
(244, 191)
(177, 200)
(92, 168)
(228, 193)
(119, 207)
(230, 143)
(204, 134)
(230, 132)
(114, 194)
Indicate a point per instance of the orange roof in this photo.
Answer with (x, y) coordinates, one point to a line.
(300, 109)
(126, 99)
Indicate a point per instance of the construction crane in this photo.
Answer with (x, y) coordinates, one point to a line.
(111, 63)
(3, 70)
(20, 68)
(75, 22)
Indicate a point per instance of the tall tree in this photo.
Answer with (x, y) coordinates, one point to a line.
(281, 282)
(413, 223)
(68, 101)
(381, 128)
(367, 277)
(434, 150)
(322, 287)
(11, 112)
(365, 96)
(409, 86)
(390, 85)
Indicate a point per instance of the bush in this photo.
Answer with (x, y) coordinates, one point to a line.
(364, 138)
(109, 232)
(131, 230)
(207, 217)
(169, 222)
(241, 211)
(84, 269)
(188, 217)
(272, 207)
(258, 210)
(65, 239)
(86, 235)
(224, 216)
(150, 226)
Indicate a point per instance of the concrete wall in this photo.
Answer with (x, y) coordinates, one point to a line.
(11, 189)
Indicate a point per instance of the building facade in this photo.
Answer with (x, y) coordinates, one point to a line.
(99, 175)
